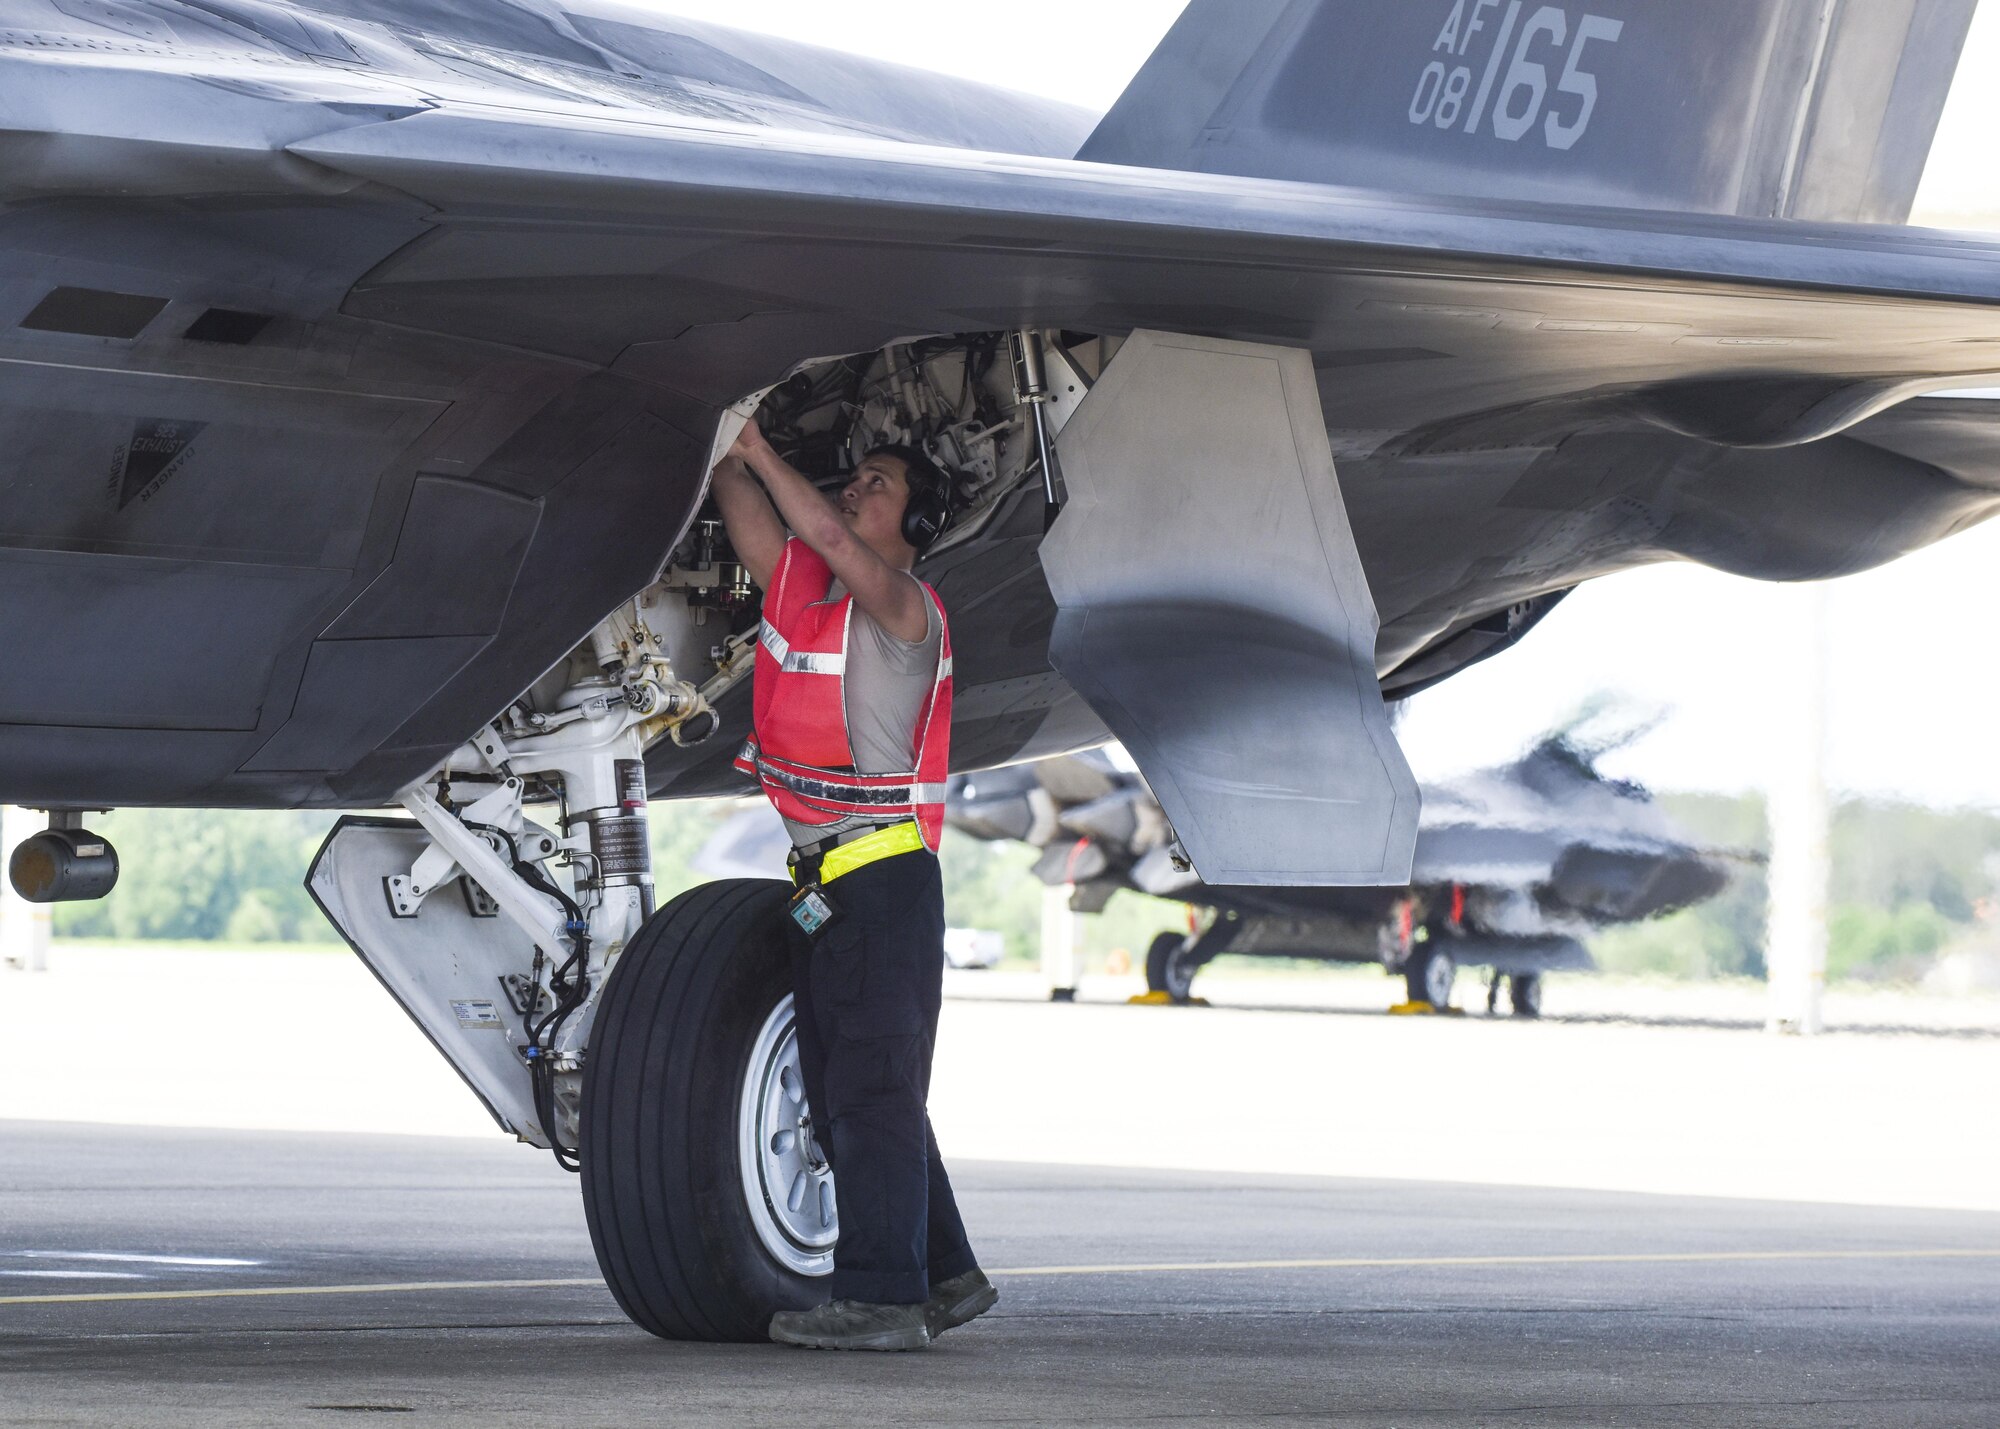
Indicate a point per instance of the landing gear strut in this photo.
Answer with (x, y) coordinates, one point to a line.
(1524, 994)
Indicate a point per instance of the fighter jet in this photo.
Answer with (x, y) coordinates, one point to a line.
(365, 361)
(1514, 867)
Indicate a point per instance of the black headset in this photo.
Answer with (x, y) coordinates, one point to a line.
(927, 512)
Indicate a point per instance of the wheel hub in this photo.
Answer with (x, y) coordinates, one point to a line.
(1438, 978)
(787, 1183)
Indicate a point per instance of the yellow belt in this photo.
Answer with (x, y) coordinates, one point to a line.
(869, 848)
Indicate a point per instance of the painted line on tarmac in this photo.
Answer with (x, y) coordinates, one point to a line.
(1693, 1257)
(1720, 1257)
(197, 1262)
(249, 1292)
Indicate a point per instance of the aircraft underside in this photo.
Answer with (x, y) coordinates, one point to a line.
(326, 549)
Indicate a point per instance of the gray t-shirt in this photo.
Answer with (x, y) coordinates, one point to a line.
(886, 685)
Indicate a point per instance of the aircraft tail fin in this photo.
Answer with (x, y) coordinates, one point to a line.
(1813, 109)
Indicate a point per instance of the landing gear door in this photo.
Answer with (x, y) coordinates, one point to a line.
(1214, 613)
(444, 963)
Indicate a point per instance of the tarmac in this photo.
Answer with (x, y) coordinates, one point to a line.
(1285, 1208)
(160, 1276)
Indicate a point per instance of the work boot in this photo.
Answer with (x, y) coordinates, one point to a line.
(956, 1301)
(853, 1325)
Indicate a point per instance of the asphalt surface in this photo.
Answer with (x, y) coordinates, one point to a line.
(1433, 1304)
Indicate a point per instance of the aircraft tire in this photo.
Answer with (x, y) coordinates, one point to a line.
(1429, 974)
(1166, 970)
(689, 1003)
(1524, 994)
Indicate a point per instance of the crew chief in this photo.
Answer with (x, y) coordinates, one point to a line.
(852, 728)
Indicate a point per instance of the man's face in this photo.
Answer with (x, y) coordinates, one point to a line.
(873, 504)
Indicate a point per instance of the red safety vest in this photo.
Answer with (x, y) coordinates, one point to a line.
(800, 751)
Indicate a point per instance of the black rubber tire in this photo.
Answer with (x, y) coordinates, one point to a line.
(1429, 974)
(1524, 994)
(1166, 970)
(662, 1188)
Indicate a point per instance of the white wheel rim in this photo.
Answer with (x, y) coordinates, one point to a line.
(787, 1184)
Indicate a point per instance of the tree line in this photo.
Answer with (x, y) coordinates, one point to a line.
(1908, 884)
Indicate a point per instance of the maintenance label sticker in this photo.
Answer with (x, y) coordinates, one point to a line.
(158, 450)
(477, 1016)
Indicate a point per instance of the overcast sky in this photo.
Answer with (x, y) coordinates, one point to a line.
(1914, 683)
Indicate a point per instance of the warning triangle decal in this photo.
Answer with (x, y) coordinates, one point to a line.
(155, 449)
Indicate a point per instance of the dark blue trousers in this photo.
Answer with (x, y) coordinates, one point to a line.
(868, 987)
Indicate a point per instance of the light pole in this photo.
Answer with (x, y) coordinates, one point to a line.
(1801, 818)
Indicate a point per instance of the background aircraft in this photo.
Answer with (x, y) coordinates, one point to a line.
(1514, 868)
(366, 359)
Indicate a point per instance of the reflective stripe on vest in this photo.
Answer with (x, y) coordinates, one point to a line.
(805, 662)
(796, 661)
(800, 752)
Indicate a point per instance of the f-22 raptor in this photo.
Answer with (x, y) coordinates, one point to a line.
(365, 360)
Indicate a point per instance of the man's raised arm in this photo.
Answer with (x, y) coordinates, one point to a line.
(891, 598)
(755, 531)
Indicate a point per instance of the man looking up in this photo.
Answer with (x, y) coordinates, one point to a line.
(851, 744)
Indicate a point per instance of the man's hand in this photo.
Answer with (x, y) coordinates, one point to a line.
(749, 442)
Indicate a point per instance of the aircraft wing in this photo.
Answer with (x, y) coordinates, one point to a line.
(1569, 300)
(1519, 395)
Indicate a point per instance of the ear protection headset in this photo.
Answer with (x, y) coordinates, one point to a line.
(927, 512)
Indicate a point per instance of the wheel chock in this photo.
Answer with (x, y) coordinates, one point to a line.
(1424, 1009)
(1164, 999)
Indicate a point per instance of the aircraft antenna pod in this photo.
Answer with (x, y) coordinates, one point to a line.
(65, 863)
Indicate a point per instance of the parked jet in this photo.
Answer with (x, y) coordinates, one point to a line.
(1514, 867)
(365, 361)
